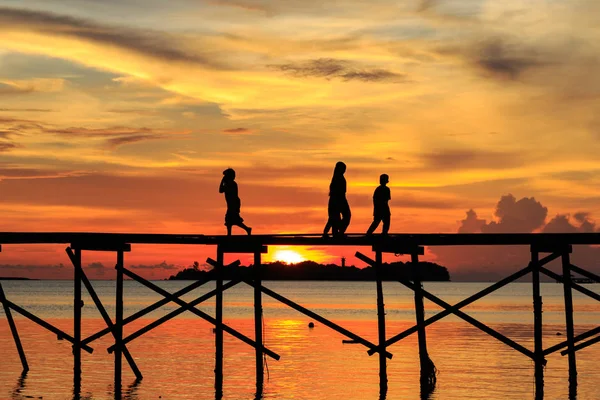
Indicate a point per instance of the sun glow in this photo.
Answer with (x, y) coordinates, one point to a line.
(288, 256)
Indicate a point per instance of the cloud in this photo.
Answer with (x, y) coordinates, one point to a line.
(6, 89)
(497, 58)
(113, 143)
(36, 110)
(237, 131)
(161, 266)
(525, 215)
(7, 146)
(464, 158)
(147, 42)
(330, 68)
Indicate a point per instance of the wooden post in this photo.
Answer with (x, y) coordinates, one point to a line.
(219, 325)
(566, 268)
(383, 382)
(258, 332)
(427, 367)
(77, 323)
(118, 327)
(13, 330)
(537, 326)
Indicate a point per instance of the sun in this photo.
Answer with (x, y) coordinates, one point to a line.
(288, 256)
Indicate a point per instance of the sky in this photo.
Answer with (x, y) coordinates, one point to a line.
(120, 116)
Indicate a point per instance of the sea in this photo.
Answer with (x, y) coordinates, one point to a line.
(177, 358)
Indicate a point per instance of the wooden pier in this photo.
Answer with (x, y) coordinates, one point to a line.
(549, 247)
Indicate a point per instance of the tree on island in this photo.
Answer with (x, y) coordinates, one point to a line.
(313, 271)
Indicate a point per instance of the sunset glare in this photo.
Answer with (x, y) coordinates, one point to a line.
(288, 256)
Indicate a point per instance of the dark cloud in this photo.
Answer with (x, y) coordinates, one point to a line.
(11, 90)
(458, 159)
(162, 266)
(237, 131)
(40, 110)
(330, 68)
(111, 131)
(525, 215)
(123, 140)
(96, 268)
(150, 43)
(501, 60)
(561, 223)
(7, 146)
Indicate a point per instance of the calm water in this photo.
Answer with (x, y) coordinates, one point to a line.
(177, 359)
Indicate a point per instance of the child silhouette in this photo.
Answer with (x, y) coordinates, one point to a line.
(230, 188)
(381, 208)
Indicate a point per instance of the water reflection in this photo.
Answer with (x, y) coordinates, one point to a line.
(19, 387)
(427, 391)
(131, 391)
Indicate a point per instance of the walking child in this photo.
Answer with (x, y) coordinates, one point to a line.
(230, 188)
(381, 208)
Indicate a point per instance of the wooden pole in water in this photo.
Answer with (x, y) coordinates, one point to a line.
(427, 367)
(13, 330)
(77, 324)
(258, 332)
(383, 382)
(118, 327)
(566, 268)
(537, 326)
(219, 325)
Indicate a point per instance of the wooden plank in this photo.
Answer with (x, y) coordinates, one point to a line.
(546, 240)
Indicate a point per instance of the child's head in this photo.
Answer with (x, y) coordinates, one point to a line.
(384, 179)
(340, 168)
(229, 174)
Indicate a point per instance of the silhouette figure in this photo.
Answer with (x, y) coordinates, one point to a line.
(230, 188)
(338, 208)
(381, 208)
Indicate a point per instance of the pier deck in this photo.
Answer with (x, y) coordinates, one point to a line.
(550, 246)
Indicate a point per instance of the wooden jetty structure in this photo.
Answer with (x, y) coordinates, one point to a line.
(544, 248)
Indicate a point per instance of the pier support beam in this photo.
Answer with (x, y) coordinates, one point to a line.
(13, 330)
(219, 324)
(428, 370)
(118, 327)
(568, 295)
(537, 326)
(77, 304)
(258, 331)
(383, 381)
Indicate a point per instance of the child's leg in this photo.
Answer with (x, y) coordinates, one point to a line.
(374, 225)
(244, 227)
(228, 230)
(386, 224)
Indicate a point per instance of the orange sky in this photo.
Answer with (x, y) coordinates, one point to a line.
(119, 116)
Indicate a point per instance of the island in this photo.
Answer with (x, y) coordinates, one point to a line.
(313, 271)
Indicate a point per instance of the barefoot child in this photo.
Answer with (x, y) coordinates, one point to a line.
(230, 188)
(381, 208)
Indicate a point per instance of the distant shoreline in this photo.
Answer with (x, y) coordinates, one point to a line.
(7, 278)
(312, 271)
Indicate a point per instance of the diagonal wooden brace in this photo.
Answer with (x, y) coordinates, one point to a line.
(317, 317)
(472, 321)
(574, 285)
(151, 308)
(59, 333)
(457, 306)
(186, 307)
(103, 313)
(365, 259)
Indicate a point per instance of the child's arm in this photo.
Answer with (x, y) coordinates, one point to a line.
(222, 185)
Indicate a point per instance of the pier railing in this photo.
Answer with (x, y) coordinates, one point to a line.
(552, 246)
